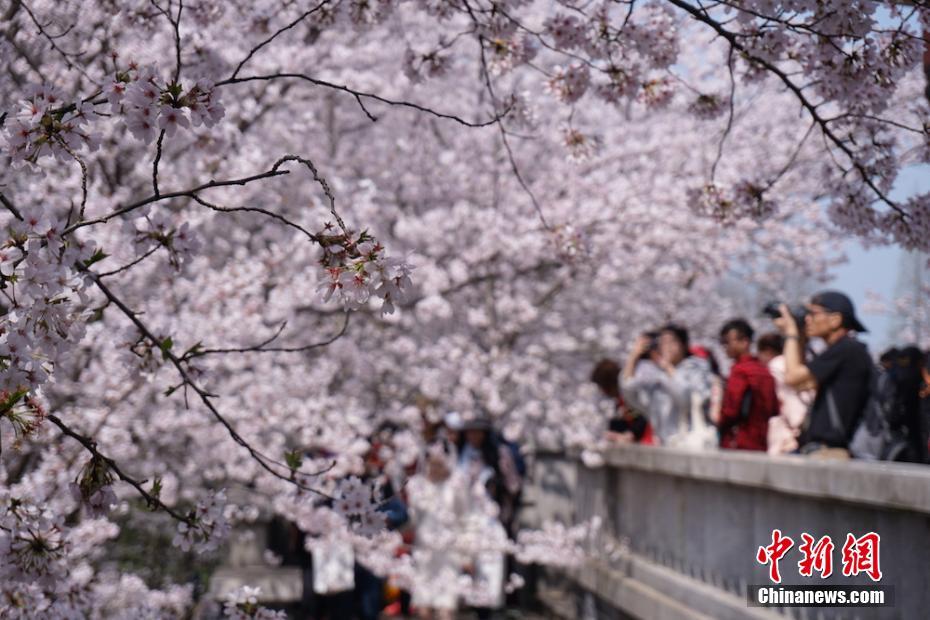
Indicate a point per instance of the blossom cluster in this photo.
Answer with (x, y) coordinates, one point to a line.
(149, 104)
(242, 604)
(207, 525)
(357, 268)
(354, 502)
(31, 541)
(580, 146)
(728, 204)
(426, 65)
(571, 244)
(46, 300)
(707, 106)
(48, 123)
(24, 413)
(570, 83)
(150, 230)
(94, 487)
(507, 53)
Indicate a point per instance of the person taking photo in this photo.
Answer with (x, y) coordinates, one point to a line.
(840, 373)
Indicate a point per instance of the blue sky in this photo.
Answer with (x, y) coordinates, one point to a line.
(876, 269)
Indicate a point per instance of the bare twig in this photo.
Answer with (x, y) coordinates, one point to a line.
(166, 196)
(274, 36)
(263, 348)
(176, 25)
(83, 166)
(64, 55)
(794, 156)
(10, 207)
(129, 266)
(730, 115)
(510, 156)
(158, 146)
(319, 179)
(359, 95)
(271, 214)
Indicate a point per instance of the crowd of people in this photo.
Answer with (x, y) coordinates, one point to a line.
(455, 506)
(807, 387)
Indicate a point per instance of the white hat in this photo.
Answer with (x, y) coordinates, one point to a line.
(453, 421)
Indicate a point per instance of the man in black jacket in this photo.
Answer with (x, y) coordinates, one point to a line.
(840, 373)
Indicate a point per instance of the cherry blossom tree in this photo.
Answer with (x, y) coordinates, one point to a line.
(241, 235)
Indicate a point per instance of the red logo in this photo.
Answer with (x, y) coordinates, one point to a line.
(817, 556)
(860, 555)
(773, 553)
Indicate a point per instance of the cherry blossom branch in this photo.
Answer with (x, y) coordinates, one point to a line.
(64, 55)
(359, 95)
(177, 194)
(263, 348)
(506, 142)
(879, 119)
(10, 207)
(192, 193)
(83, 166)
(811, 108)
(176, 24)
(280, 31)
(91, 446)
(730, 114)
(263, 460)
(158, 145)
(270, 214)
(129, 266)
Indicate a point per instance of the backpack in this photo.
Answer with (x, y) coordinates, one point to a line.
(873, 438)
(518, 459)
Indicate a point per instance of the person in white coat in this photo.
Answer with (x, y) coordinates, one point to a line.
(435, 509)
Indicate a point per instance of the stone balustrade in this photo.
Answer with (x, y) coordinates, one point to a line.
(681, 529)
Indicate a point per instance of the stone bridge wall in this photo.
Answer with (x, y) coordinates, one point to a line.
(693, 522)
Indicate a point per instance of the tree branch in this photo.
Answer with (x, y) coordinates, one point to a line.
(91, 446)
(811, 108)
(10, 207)
(158, 145)
(359, 95)
(166, 196)
(264, 461)
(282, 30)
(262, 348)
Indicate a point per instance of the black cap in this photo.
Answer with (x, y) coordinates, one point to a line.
(834, 301)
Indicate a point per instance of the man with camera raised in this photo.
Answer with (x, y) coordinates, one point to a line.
(840, 373)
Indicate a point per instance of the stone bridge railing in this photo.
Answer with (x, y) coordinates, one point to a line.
(690, 524)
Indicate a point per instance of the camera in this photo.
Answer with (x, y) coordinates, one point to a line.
(773, 311)
(653, 345)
